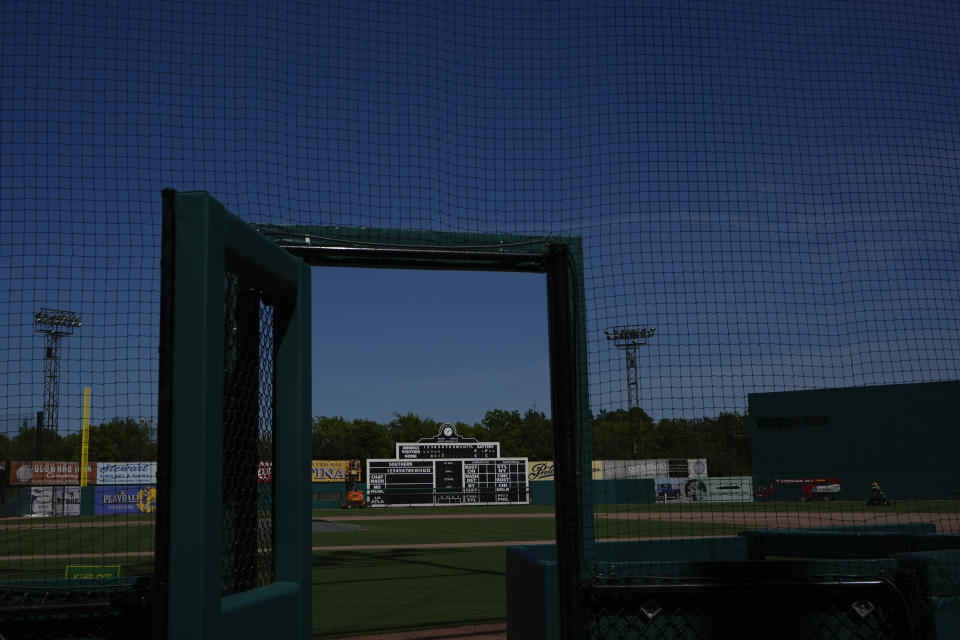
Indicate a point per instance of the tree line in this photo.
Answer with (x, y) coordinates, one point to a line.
(117, 440)
(615, 435)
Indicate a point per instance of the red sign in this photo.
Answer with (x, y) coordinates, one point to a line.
(50, 472)
(265, 472)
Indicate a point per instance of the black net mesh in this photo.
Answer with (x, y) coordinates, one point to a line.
(766, 191)
(783, 612)
(248, 428)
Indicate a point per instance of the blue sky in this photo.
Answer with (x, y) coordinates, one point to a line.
(446, 345)
(773, 185)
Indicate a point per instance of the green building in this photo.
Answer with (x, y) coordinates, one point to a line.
(904, 436)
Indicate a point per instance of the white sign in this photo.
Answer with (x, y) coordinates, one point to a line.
(55, 501)
(703, 489)
(127, 473)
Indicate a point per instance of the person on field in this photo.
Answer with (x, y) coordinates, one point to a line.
(877, 496)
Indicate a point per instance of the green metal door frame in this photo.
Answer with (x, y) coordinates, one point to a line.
(560, 258)
(202, 241)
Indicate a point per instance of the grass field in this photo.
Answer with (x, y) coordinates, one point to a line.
(359, 588)
(366, 592)
(413, 588)
(782, 506)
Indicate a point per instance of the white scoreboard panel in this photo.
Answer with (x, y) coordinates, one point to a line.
(433, 450)
(480, 481)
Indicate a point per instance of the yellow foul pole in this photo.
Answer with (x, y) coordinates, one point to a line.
(85, 442)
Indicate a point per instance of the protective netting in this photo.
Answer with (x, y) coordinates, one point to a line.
(248, 436)
(766, 191)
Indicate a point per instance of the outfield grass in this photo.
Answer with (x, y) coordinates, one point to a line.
(75, 540)
(52, 521)
(404, 532)
(899, 506)
(432, 511)
(375, 591)
(55, 569)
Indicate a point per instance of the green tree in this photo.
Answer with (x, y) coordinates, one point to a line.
(333, 438)
(410, 427)
(504, 427)
(529, 434)
(623, 434)
(23, 446)
(536, 436)
(120, 440)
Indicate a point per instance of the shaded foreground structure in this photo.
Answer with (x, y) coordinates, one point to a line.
(773, 187)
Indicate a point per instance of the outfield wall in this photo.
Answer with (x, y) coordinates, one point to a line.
(903, 436)
(624, 491)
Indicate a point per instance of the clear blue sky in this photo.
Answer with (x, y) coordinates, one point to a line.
(447, 345)
(773, 185)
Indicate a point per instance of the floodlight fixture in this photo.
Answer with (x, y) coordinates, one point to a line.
(635, 336)
(51, 320)
(54, 324)
(628, 338)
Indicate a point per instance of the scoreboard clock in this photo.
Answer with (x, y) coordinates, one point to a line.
(448, 481)
(447, 444)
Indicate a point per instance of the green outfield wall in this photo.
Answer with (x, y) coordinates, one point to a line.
(905, 437)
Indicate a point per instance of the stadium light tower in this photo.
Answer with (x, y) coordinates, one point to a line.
(629, 339)
(54, 325)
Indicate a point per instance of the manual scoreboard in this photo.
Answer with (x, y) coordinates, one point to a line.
(449, 481)
(433, 450)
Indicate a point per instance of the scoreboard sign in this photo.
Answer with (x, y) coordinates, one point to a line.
(434, 450)
(447, 482)
(447, 444)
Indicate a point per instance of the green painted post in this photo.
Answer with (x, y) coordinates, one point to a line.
(196, 417)
(208, 242)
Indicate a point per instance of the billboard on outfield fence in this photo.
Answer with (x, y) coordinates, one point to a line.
(119, 499)
(55, 501)
(543, 470)
(49, 472)
(329, 470)
(654, 468)
(126, 473)
(703, 489)
(631, 469)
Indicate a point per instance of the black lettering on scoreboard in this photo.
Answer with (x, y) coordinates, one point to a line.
(434, 450)
(480, 481)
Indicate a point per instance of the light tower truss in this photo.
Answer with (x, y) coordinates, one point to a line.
(628, 339)
(54, 325)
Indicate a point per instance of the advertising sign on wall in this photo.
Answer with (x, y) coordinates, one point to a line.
(50, 472)
(328, 470)
(126, 473)
(41, 501)
(118, 499)
(265, 471)
(632, 469)
(697, 468)
(543, 470)
(722, 489)
(729, 489)
(656, 468)
(55, 501)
